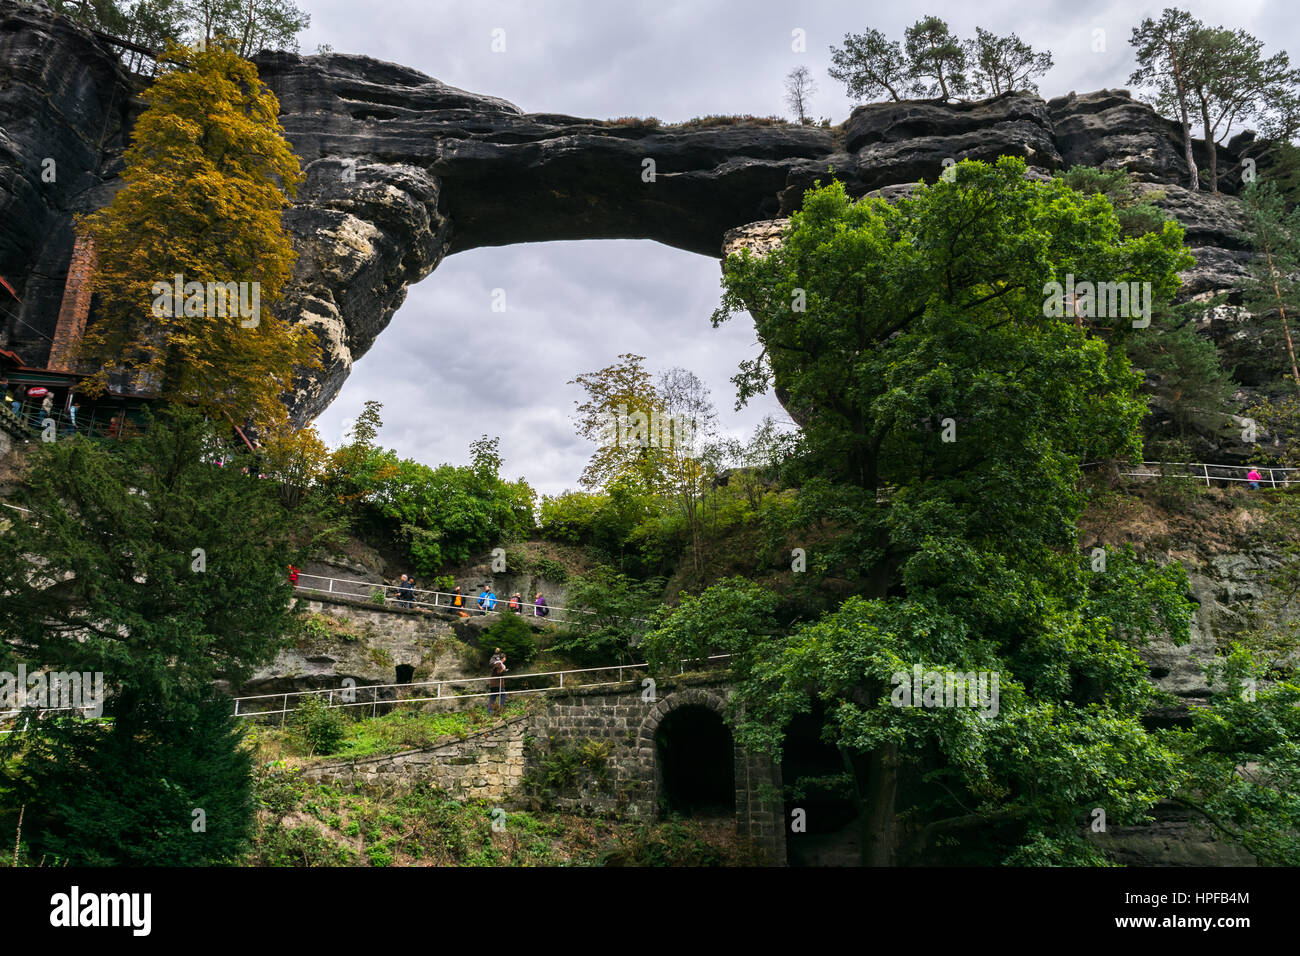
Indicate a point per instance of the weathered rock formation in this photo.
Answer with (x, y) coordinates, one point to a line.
(65, 111)
(403, 170)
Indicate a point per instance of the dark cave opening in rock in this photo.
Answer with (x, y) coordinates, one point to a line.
(696, 763)
(405, 673)
(815, 783)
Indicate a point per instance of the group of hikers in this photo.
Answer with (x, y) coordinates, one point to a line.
(34, 404)
(487, 599)
(486, 603)
(20, 397)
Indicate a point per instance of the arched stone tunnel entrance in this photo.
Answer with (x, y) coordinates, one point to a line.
(698, 769)
(695, 761)
(627, 724)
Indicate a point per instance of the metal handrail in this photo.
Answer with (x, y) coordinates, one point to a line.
(375, 688)
(471, 600)
(1275, 476)
(438, 684)
(32, 420)
(41, 713)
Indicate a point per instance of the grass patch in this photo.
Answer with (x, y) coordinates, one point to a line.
(314, 628)
(316, 825)
(373, 736)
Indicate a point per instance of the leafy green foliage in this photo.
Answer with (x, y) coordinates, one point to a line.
(920, 317)
(870, 64)
(551, 570)
(164, 573)
(250, 25)
(1135, 598)
(565, 767)
(514, 636)
(933, 62)
(618, 611)
(1185, 364)
(1004, 64)
(366, 736)
(1242, 760)
(413, 825)
(734, 616)
(936, 58)
(442, 515)
(1137, 212)
(321, 727)
(160, 569)
(98, 796)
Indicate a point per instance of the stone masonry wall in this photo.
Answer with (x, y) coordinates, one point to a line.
(491, 765)
(625, 722)
(488, 765)
(75, 309)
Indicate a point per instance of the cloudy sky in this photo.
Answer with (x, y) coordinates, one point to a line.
(449, 369)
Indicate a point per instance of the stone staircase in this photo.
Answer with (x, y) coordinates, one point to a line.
(12, 425)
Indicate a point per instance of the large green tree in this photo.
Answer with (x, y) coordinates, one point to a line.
(1182, 364)
(159, 564)
(1231, 79)
(1004, 64)
(920, 347)
(937, 59)
(870, 64)
(932, 61)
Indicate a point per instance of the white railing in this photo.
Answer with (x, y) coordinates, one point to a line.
(364, 591)
(1201, 471)
(338, 696)
(343, 697)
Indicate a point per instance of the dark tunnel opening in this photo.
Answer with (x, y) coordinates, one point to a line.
(816, 784)
(696, 763)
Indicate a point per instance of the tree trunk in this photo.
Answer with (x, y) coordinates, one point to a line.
(876, 782)
(1281, 308)
(1210, 147)
(1187, 126)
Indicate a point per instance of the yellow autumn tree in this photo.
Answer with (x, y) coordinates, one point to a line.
(192, 258)
(295, 457)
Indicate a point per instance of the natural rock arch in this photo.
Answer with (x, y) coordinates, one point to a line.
(403, 170)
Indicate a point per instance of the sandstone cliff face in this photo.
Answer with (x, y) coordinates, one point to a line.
(65, 104)
(1222, 537)
(403, 170)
